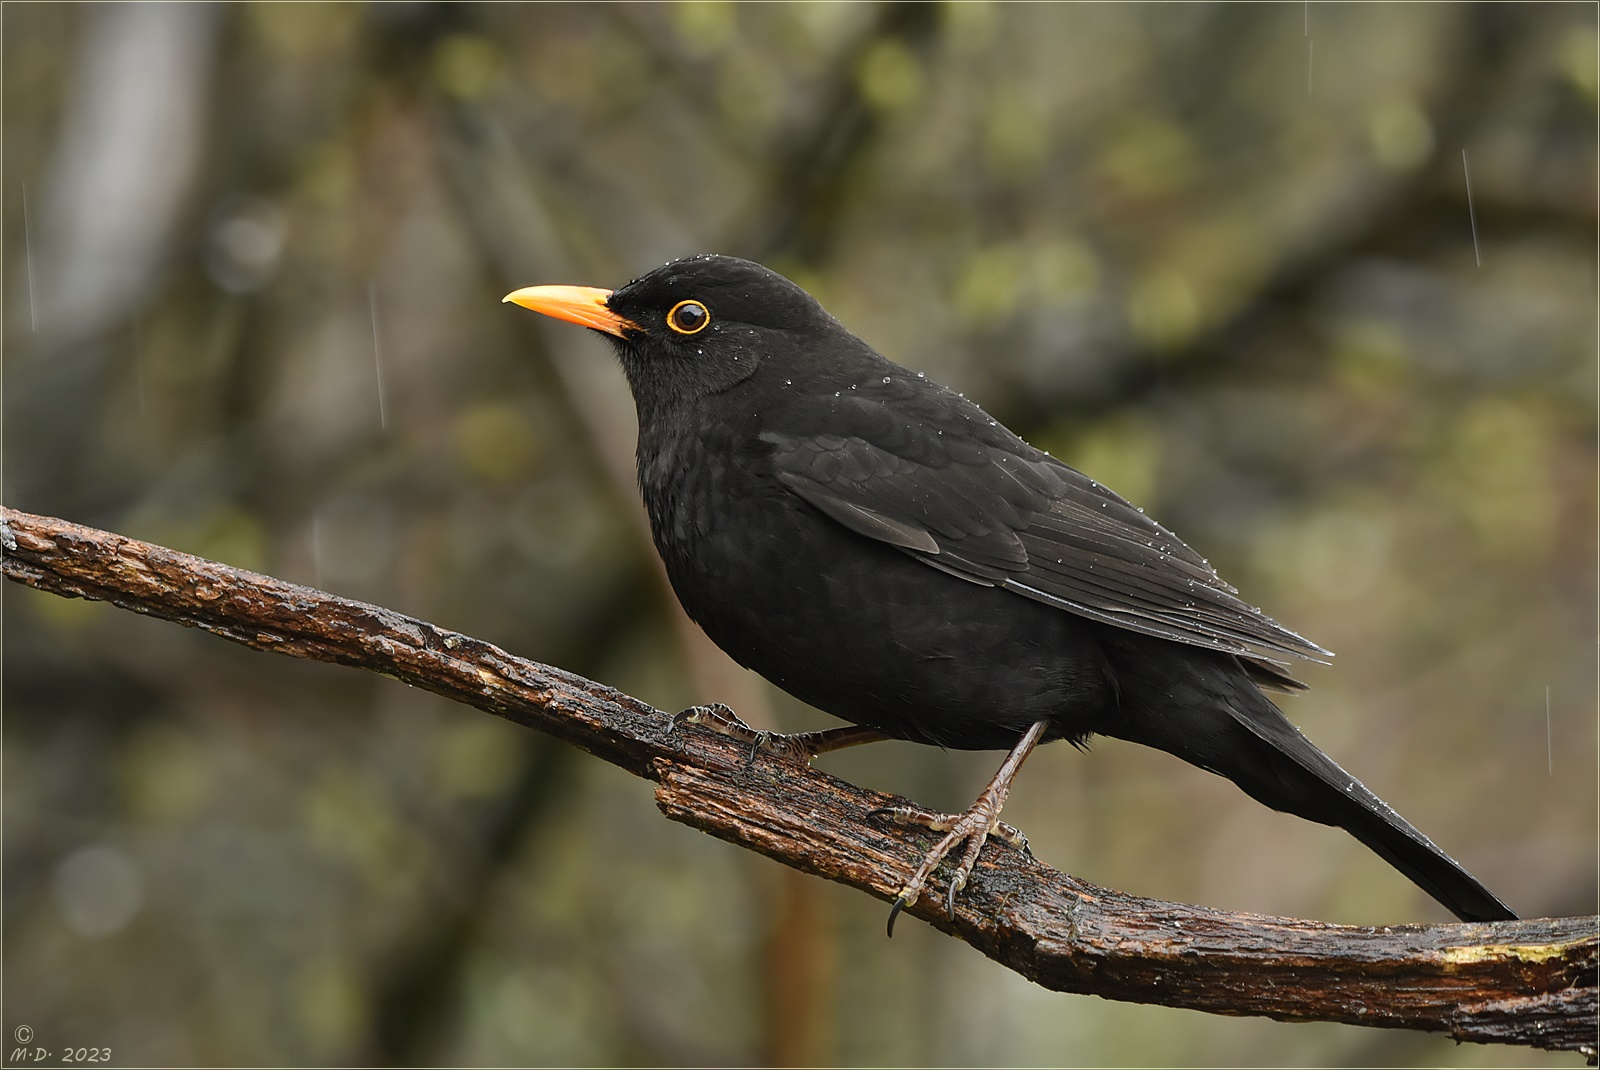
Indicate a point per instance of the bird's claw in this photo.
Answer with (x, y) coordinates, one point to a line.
(1012, 835)
(762, 739)
(956, 885)
(722, 720)
(908, 815)
(974, 827)
(715, 716)
(900, 903)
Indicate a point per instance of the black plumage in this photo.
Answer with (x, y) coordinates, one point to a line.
(883, 549)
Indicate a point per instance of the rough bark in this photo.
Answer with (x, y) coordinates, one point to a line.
(1521, 982)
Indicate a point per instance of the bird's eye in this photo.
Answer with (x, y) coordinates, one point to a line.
(688, 317)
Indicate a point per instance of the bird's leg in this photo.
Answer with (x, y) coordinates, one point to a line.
(975, 826)
(797, 746)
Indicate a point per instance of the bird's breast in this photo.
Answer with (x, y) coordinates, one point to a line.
(851, 625)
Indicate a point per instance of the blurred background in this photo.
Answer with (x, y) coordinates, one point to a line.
(1313, 284)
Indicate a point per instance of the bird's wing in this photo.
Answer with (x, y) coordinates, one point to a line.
(973, 500)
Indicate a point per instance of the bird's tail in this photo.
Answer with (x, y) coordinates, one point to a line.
(1259, 750)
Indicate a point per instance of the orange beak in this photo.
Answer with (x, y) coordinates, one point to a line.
(583, 305)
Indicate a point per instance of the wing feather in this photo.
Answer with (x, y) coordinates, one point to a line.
(975, 501)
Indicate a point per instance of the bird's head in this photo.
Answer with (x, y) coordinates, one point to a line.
(695, 326)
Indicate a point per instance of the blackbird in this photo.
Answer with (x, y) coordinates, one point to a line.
(883, 549)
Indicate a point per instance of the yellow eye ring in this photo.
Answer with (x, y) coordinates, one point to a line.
(688, 317)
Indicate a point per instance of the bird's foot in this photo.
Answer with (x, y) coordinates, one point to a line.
(974, 827)
(911, 815)
(798, 747)
(722, 720)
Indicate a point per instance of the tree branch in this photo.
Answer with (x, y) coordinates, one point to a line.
(1531, 983)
